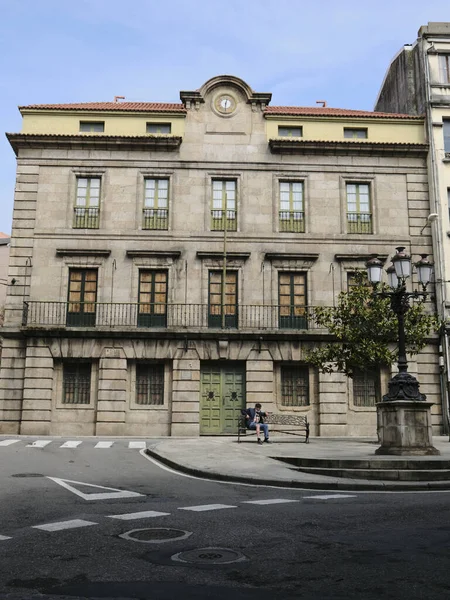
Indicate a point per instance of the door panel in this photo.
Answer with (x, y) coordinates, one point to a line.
(222, 396)
(82, 297)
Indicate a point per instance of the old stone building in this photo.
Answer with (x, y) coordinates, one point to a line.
(168, 258)
(417, 82)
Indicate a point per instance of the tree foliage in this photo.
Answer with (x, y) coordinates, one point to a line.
(365, 331)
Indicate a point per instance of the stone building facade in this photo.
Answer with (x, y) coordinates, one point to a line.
(168, 258)
(417, 82)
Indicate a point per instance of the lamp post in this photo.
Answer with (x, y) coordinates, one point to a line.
(404, 419)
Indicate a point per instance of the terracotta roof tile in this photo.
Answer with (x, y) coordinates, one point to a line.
(4, 235)
(115, 106)
(314, 111)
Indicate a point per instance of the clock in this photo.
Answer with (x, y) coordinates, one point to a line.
(225, 104)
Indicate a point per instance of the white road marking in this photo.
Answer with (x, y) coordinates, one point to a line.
(103, 445)
(111, 494)
(39, 444)
(330, 497)
(4, 537)
(272, 501)
(137, 445)
(70, 444)
(72, 524)
(204, 507)
(8, 442)
(145, 514)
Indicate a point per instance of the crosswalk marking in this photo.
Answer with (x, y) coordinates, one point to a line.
(145, 514)
(204, 507)
(4, 537)
(70, 444)
(329, 497)
(8, 442)
(103, 445)
(271, 501)
(39, 444)
(137, 445)
(72, 524)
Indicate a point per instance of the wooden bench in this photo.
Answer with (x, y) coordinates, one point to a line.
(290, 424)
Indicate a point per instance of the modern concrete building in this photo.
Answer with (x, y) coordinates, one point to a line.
(417, 82)
(168, 259)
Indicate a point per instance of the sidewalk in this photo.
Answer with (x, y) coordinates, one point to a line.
(223, 459)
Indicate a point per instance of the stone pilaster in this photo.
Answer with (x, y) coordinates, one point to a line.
(11, 385)
(186, 394)
(112, 392)
(37, 391)
(333, 402)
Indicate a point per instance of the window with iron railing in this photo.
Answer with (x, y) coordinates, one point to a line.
(294, 386)
(366, 388)
(359, 215)
(87, 203)
(152, 298)
(223, 213)
(156, 204)
(149, 384)
(291, 213)
(76, 383)
(292, 301)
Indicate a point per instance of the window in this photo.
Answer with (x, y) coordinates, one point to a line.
(448, 202)
(444, 68)
(292, 301)
(149, 384)
(223, 312)
(156, 203)
(76, 383)
(87, 203)
(355, 278)
(284, 131)
(82, 298)
(152, 298)
(355, 134)
(162, 128)
(291, 214)
(92, 126)
(446, 135)
(359, 217)
(366, 387)
(223, 213)
(294, 386)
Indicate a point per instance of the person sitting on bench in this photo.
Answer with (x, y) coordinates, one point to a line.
(254, 418)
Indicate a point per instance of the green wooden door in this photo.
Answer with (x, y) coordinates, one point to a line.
(222, 396)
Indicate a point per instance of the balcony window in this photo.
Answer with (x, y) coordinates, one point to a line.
(82, 298)
(294, 386)
(359, 216)
(156, 204)
(223, 213)
(292, 301)
(87, 203)
(149, 384)
(223, 310)
(291, 213)
(76, 383)
(152, 298)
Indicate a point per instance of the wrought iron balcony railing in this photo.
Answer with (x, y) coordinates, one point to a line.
(218, 220)
(155, 218)
(167, 316)
(292, 221)
(359, 222)
(86, 218)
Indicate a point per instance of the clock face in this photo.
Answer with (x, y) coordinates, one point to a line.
(225, 104)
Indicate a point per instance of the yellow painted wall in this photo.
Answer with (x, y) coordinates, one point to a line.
(332, 129)
(115, 124)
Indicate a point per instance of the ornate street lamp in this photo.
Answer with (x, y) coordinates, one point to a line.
(402, 386)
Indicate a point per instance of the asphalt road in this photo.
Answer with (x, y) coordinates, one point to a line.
(202, 539)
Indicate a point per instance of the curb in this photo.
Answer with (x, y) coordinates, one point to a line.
(344, 486)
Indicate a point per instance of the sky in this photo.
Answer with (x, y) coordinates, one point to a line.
(57, 51)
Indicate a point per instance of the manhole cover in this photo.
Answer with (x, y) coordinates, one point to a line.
(210, 556)
(27, 475)
(156, 535)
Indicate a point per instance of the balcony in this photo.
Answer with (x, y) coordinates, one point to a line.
(155, 218)
(359, 222)
(292, 221)
(218, 220)
(168, 317)
(85, 218)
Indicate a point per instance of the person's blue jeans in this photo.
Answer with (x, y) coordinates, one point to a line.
(264, 427)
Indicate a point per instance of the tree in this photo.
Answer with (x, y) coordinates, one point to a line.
(365, 330)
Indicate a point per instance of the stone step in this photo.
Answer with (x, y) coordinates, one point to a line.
(385, 464)
(381, 474)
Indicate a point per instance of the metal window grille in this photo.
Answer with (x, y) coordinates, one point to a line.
(294, 386)
(150, 384)
(77, 383)
(366, 385)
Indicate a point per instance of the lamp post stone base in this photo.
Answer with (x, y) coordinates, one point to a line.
(404, 428)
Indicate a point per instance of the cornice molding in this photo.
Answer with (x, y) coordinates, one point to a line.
(81, 252)
(300, 146)
(174, 254)
(219, 255)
